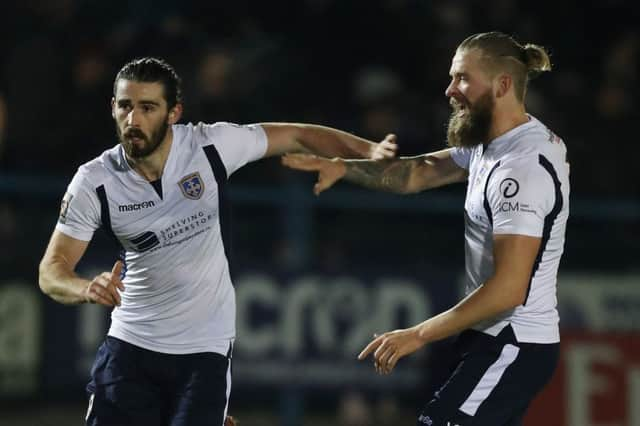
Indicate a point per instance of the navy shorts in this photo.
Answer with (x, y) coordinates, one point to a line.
(134, 386)
(493, 381)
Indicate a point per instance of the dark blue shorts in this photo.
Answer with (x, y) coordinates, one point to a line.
(134, 386)
(493, 381)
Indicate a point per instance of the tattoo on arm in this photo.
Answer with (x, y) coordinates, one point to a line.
(385, 175)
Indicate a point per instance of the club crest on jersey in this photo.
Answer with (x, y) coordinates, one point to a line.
(192, 186)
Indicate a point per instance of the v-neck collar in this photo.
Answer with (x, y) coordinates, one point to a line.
(158, 185)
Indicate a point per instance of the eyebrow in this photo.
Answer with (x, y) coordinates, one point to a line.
(143, 102)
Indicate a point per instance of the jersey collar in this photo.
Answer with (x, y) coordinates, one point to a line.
(504, 139)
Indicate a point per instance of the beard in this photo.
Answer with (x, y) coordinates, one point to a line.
(471, 127)
(150, 143)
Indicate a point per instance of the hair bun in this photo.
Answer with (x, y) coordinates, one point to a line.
(536, 59)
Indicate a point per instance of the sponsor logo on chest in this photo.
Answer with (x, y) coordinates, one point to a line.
(136, 206)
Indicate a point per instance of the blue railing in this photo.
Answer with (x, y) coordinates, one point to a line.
(297, 194)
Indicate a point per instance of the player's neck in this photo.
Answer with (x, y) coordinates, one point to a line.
(152, 166)
(506, 119)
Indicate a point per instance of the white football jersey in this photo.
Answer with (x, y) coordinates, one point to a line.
(518, 184)
(178, 294)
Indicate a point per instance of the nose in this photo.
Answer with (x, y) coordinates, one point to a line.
(451, 89)
(132, 118)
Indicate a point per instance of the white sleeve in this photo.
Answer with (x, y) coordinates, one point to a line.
(521, 194)
(80, 209)
(236, 144)
(461, 156)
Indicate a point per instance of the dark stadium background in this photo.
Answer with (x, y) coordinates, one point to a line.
(317, 276)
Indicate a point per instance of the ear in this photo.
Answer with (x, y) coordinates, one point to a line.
(113, 107)
(175, 114)
(503, 85)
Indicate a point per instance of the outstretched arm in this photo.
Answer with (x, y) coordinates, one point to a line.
(59, 281)
(514, 256)
(323, 141)
(403, 175)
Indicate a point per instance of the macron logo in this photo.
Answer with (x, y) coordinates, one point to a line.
(136, 206)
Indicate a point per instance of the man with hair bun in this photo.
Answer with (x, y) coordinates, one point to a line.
(516, 210)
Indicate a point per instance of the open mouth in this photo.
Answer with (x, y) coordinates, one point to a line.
(134, 138)
(461, 109)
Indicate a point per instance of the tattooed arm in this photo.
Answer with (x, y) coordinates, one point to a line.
(403, 175)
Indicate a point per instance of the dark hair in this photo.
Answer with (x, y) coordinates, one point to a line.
(502, 53)
(153, 70)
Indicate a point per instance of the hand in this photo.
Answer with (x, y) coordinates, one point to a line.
(390, 347)
(230, 421)
(104, 287)
(329, 171)
(385, 149)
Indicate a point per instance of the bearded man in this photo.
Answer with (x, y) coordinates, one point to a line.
(160, 193)
(516, 211)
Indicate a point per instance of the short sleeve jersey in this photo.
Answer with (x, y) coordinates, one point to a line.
(178, 294)
(518, 184)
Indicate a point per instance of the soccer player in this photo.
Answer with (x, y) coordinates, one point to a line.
(161, 194)
(515, 213)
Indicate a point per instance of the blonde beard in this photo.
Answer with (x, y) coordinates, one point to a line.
(472, 127)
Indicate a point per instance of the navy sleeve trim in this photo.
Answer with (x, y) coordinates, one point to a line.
(217, 165)
(487, 207)
(105, 218)
(549, 220)
(224, 207)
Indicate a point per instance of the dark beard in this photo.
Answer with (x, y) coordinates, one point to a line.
(150, 144)
(473, 127)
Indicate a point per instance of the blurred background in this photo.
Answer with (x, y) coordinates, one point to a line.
(315, 277)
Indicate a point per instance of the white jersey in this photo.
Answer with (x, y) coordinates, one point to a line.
(518, 184)
(178, 294)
